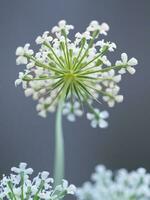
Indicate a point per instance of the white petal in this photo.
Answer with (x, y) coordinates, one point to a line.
(94, 123)
(71, 189)
(78, 35)
(105, 26)
(39, 40)
(28, 92)
(132, 62)
(104, 114)
(30, 65)
(131, 70)
(55, 29)
(105, 98)
(15, 169)
(111, 103)
(20, 51)
(44, 175)
(89, 116)
(29, 171)
(118, 62)
(124, 58)
(17, 82)
(76, 105)
(42, 114)
(119, 98)
(71, 117)
(21, 60)
(62, 23)
(122, 71)
(103, 124)
(78, 112)
(117, 78)
(66, 111)
(65, 183)
(22, 165)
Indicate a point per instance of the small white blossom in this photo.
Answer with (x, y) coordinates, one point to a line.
(109, 45)
(72, 110)
(21, 51)
(22, 168)
(127, 63)
(62, 25)
(113, 96)
(20, 77)
(98, 118)
(94, 26)
(110, 78)
(86, 35)
(44, 38)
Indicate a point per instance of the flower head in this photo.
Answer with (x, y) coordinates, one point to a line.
(74, 72)
(122, 185)
(20, 186)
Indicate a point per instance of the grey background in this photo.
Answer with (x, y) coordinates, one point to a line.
(26, 137)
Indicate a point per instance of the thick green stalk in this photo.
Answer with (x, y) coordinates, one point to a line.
(59, 147)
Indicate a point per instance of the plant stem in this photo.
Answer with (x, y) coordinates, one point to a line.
(59, 147)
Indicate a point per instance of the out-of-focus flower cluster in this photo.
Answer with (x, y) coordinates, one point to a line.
(122, 185)
(74, 72)
(19, 186)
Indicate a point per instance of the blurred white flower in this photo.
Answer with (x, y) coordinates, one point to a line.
(122, 185)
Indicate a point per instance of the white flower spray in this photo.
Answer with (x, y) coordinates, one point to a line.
(71, 75)
(122, 185)
(75, 72)
(19, 186)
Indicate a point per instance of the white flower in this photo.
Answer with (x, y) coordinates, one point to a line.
(20, 185)
(98, 118)
(94, 26)
(122, 185)
(44, 38)
(110, 79)
(62, 26)
(72, 110)
(21, 51)
(78, 71)
(71, 189)
(21, 76)
(22, 168)
(112, 96)
(85, 35)
(44, 175)
(127, 63)
(109, 45)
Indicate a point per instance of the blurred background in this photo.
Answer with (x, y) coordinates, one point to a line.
(24, 136)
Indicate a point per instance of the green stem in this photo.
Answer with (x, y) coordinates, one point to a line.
(59, 147)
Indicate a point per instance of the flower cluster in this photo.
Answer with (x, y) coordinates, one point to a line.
(73, 72)
(122, 185)
(19, 186)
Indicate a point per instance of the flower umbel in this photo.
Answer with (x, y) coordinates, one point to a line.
(19, 186)
(75, 72)
(122, 185)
